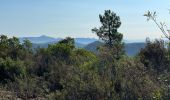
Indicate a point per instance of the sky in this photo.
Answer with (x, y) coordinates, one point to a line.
(76, 18)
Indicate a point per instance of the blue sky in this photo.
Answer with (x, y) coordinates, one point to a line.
(76, 18)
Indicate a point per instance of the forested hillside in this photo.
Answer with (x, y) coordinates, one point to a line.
(63, 72)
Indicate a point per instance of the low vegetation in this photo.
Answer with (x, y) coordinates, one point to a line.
(63, 72)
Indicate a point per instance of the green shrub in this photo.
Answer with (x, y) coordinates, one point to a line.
(10, 69)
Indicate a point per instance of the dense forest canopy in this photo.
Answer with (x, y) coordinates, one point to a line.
(63, 72)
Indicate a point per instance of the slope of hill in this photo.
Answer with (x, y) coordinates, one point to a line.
(85, 40)
(131, 49)
(93, 46)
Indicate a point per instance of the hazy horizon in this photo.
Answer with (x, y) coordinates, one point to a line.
(76, 18)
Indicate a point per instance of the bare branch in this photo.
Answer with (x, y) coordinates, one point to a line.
(161, 26)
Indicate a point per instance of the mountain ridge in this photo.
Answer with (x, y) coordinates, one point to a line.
(45, 39)
(90, 44)
(131, 49)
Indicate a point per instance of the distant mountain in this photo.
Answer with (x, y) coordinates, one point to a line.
(85, 40)
(45, 45)
(131, 49)
(40, 40)
(90, 44)
(43, 41)
(41, 45)
(46, 39)
(93, 46)
(79, 45)
(134, 41)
